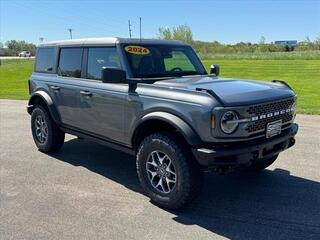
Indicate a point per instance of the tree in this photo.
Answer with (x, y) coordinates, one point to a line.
(165, 33)
(262, 40)
(308, 39)
(182, 33)
(18, 46)
(316, 43)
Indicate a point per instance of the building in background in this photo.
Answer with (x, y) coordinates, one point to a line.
(289, 43)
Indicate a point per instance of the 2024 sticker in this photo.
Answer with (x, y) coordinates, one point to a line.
(137, 50)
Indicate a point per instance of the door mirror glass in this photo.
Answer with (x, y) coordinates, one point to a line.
(215, 69)
(113, 75)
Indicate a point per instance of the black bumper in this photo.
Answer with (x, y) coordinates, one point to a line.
(244, 153)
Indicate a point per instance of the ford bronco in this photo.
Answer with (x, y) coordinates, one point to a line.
(154, 99)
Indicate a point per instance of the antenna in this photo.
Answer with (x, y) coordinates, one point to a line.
(70, 30)
(140, 27)
(129, 25)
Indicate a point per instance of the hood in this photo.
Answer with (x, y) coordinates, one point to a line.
(233, 92)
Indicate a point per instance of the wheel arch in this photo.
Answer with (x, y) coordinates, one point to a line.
(164, 121)
(43, 98)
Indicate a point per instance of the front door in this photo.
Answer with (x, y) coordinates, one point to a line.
(101, 105)
(101, 109)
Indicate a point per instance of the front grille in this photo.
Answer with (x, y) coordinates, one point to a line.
(270, 108)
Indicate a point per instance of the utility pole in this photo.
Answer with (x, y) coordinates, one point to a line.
(129, 25)
(70, 31)
(140, 27)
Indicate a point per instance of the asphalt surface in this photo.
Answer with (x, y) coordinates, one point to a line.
(87, 191)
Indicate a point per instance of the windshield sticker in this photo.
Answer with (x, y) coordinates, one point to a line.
(137, 50)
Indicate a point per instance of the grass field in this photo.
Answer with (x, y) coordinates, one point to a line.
(14, 74)
(303, 75)
(294, 55)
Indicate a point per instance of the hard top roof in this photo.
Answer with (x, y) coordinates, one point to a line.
(109, 41)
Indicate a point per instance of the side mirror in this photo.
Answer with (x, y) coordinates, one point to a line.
(215, 69)
(113, 75)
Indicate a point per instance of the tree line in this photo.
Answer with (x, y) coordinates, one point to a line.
(203, 48)
(14, 47)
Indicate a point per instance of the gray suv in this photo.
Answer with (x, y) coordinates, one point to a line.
(154, 99)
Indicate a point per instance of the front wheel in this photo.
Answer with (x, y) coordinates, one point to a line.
(167, 171)
(46, 133)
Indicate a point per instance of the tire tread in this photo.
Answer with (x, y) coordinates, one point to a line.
(191, 172)
(55, 141)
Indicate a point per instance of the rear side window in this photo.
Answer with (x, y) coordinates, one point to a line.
(100, 57)
(70, 62)
(44, 60)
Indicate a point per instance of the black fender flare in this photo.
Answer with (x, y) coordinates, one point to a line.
(48, 101)
(187, 132)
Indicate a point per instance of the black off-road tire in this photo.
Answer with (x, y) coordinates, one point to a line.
(189, 175)
(262, 164)
(55, 137)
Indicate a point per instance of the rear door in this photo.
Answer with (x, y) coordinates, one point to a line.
(65, 88)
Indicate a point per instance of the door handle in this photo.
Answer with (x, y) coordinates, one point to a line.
(86, 93)
(55, 88)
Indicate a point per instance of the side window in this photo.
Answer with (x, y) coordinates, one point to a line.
(44, 60)
(99, 57)
(70, 62)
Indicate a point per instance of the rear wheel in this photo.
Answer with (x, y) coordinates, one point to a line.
(263, 163)
(46, 133)
(167, 171)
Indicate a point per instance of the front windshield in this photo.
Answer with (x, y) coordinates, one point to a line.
(156, 61)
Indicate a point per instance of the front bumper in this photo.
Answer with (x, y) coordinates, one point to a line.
(245, 153)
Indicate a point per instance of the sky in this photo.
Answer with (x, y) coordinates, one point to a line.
(226, 21)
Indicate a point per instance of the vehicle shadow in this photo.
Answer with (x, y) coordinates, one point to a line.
(269, 205)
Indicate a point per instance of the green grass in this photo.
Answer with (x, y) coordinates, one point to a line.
(302, 75)
(294, 55)
(14, 74)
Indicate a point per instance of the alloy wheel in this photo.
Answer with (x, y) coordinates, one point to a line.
(41, 128)
(161, 172)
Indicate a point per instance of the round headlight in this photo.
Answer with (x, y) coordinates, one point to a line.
(228, 122)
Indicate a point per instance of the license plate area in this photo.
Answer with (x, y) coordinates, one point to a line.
(273, 128)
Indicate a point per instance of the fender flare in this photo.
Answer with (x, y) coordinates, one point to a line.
(48, 101)
(188, 133)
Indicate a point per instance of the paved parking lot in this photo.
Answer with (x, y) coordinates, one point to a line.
(87, 191)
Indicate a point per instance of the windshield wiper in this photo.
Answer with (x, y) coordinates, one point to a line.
(153, 75)
(189, 73)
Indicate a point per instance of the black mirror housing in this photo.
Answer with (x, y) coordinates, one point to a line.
(113, 75)
(215, 69)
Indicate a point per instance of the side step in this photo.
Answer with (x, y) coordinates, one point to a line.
(100, 141)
